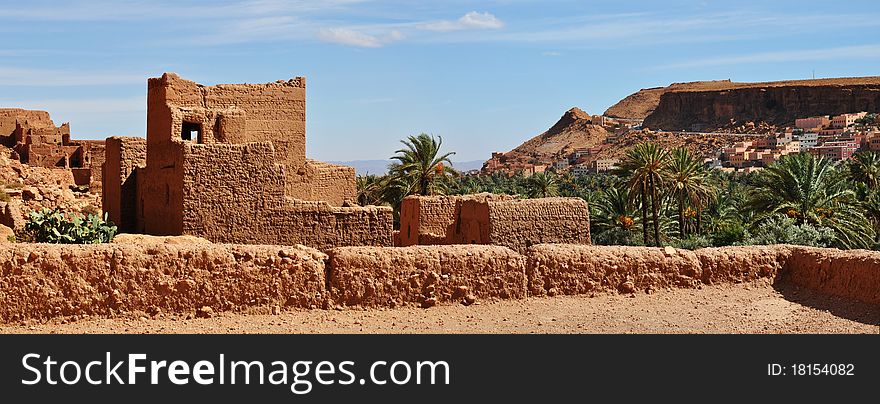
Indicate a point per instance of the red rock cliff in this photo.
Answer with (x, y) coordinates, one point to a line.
(774, 102)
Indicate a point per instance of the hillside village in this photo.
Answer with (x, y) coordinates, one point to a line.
(580, 143)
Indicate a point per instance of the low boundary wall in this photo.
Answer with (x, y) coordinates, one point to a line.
(41, 281)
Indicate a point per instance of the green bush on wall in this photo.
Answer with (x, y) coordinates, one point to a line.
(52, 226)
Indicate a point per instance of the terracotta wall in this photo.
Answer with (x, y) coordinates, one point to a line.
(431, 220)
(53, 280)
(119, 190)
(231, 113)
(521, 223)
(372, 276)
(236, 193)
(39, 281)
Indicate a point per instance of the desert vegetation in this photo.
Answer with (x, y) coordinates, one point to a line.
(53, 226)
(661, 196)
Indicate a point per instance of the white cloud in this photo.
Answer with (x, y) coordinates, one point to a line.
(346, 36)
(351, 37)
(471, 20)
(551, 53)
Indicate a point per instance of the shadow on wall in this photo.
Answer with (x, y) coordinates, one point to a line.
(839, 306)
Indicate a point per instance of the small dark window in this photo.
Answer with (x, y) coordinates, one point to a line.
(191, 132)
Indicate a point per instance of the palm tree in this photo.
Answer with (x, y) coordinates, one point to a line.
(368, 189)
(614, 209)
(688, 184)
(643, 166)
(865, 168)
(542, 185)
(421, 164)
(811, 190)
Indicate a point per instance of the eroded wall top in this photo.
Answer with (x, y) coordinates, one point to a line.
(183, 110)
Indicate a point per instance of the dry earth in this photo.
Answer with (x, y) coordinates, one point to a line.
(741, 308)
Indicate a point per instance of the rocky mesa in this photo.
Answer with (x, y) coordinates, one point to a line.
(781, 102)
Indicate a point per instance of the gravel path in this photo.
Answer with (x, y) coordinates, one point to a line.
(747, 308)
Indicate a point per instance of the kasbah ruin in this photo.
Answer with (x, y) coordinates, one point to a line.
(226, 226)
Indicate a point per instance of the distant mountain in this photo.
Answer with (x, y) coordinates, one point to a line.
(380, 167)
(574, 130)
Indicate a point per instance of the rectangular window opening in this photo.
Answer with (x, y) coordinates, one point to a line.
(191, 132)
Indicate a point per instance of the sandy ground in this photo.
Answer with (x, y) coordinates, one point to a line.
(747, 308)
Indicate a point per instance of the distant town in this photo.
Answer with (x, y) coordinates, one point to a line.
(836, 137)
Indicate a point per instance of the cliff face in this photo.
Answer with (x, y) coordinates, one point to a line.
(777, 103)
(642, 103)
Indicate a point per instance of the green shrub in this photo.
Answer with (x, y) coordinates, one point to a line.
(692, 242)
(729, 234)
(784, 230)
(52, 226)
(618, 236)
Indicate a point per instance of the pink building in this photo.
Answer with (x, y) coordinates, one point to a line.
(844, 120)
(812, 123)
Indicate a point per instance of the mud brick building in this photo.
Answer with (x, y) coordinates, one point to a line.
(228, 163)
(493, 219)
(36, 141)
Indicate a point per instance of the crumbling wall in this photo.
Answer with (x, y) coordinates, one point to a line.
(161, 194)
(236, 193)
(576, 269)
(40, 281)
(266, 112)
(742, 264)
(235, 114)
(521, 223)
(91, 156)
(49, 155)
(426, 275)
(319, 181)
(432, 220)
(119, 195)
(9, 117)
(853, 274)
(180, 274)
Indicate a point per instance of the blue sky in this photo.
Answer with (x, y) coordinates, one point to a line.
(485, 75)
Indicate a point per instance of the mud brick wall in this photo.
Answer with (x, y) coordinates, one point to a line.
(521, 223)
(371, 276)
(9, 117)
(119, 196)
(267, 112)
(428, 217)
(430, 220)
(576, 269)
(40, 281)
(181, 274)
(92, 154)
(851, 274)
(48, 155)
(236, 193)
(319, 181)
(236, 114)
(742, 264)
